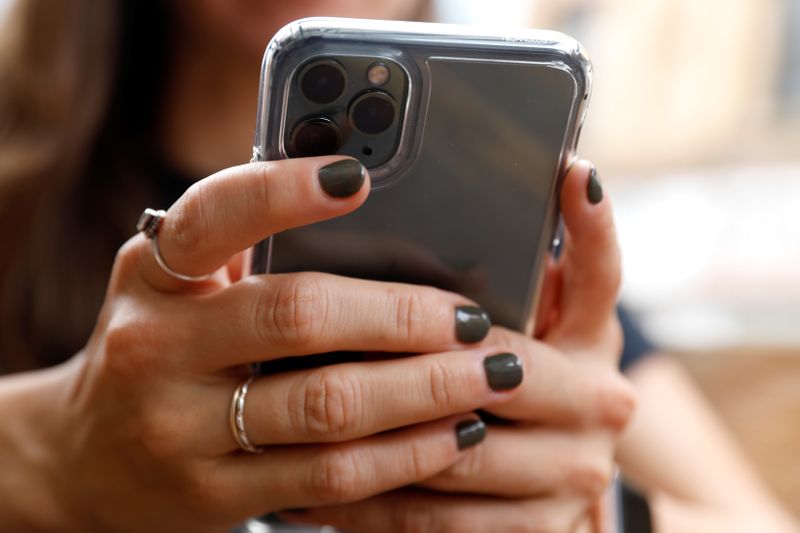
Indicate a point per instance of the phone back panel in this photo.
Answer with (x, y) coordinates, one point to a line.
(469, 203)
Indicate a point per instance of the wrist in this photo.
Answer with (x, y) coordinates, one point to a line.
(29, 442)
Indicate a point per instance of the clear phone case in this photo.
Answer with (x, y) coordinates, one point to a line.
(469, 200)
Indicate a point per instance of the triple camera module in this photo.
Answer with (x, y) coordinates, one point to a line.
(346, 105)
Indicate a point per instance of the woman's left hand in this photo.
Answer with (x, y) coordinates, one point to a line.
(547, 463)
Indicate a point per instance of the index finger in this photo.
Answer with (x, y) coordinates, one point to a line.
(589, 269)
(240, 206)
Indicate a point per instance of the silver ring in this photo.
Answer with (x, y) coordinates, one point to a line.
(236, 418)
(149, 224)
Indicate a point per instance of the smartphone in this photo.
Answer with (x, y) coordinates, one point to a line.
(466, 135)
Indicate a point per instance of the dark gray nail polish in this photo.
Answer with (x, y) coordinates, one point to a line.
(594, 190)
(343, 178)
(469, 433)
(472, 323)
(503, 371)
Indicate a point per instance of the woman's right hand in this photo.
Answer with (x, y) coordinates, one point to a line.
(133, 433)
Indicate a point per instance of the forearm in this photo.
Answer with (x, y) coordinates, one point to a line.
(681, 454)
(671, 515)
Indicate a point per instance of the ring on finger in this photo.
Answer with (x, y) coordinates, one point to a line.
(149, 223)
(236, 418)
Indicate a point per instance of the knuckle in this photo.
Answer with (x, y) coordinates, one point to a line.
(589, 478)
(468, 467)
(409, 314)
(294, 310)
(127, 352)
(616, 402)
(531, 518)
(419, 518)
(335, 477)
(204, 490)
(126, 262)
(189, 219)
(162, 436)
(421, 462)
(439, 383)
(265, 175)
(326, 405)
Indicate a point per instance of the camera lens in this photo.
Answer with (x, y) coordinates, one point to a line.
(322, 82)
(372, 113)
(315, 136)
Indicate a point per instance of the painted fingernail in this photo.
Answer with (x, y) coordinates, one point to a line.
(472, 323)
(343, 178)
(469, 433)
(503, 371)
(594, 190)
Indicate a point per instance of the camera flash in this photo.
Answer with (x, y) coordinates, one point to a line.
(378, 74)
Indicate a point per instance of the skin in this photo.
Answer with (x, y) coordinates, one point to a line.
(547, 468)
(210, 105)
(700, 481)
(132, 433)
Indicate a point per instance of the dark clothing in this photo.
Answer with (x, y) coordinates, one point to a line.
(637, 346)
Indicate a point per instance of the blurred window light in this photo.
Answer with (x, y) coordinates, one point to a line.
(710, 257)
(513, 13)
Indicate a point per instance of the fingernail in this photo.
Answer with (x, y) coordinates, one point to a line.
(594, 190)
(343, 178)
(472, 323)
(503, 371)
(469, 433)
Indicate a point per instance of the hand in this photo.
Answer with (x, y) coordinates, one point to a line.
(546, 468)
(134, 430)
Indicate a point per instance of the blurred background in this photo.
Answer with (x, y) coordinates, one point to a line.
(695, 127)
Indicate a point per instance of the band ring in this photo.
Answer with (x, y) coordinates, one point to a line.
(236, 418)
(149, 223)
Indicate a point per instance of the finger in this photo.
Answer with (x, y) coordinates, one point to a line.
(547, 310)
(352, 400)
(591, 260)
(598, 519)
(347, 401)
(268, 317)
(559, 390)
(417, 510)
(237, 207)
(304, 476)
(237, 266)
(526, 462)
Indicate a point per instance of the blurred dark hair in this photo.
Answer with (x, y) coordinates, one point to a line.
(80, 83)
